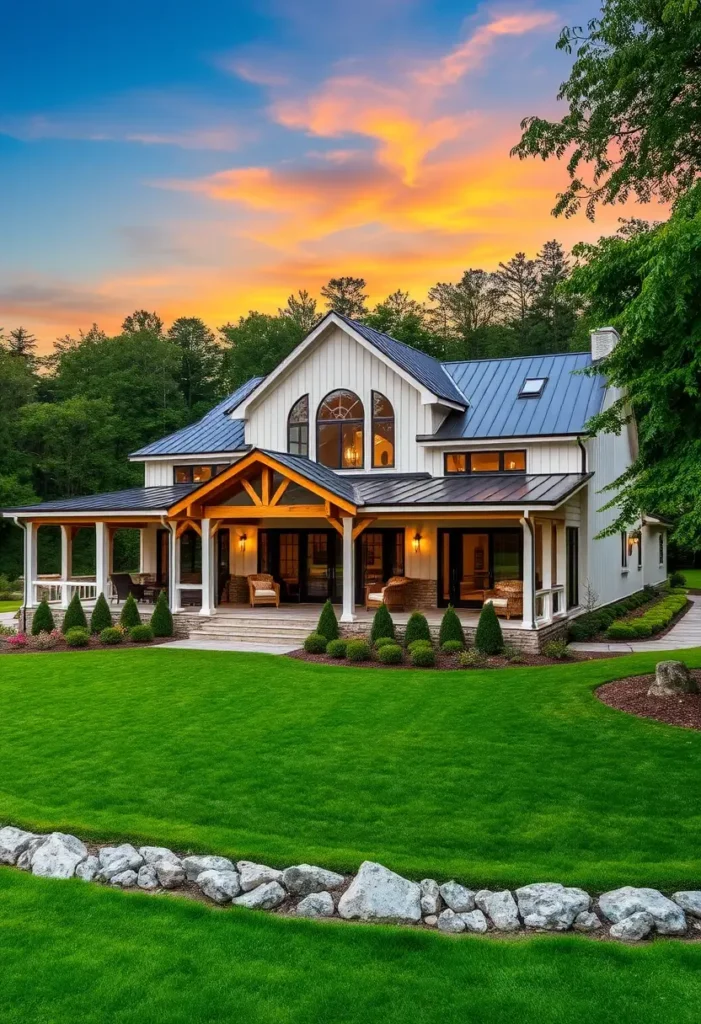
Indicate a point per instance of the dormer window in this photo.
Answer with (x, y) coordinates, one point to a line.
(532, 387)
(298, 428)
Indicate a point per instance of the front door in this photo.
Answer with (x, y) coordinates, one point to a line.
(379, 554)
(471, 561)
(306, 563)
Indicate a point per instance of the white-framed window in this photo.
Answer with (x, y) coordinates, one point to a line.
(661, 547)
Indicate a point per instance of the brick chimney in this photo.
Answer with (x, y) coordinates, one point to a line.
(603, 342)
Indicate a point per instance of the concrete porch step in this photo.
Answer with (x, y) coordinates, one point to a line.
(241, 636)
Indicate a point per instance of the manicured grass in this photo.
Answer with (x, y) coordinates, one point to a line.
(498, 777)
(10, 606)
(72, 952)
(693, 578)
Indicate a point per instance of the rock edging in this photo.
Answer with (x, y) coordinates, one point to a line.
(374, 894)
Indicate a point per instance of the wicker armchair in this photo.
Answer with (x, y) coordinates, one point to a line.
(393, 594)
(507, 598)
(262, 589)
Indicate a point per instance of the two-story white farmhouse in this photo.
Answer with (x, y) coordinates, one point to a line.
(360, 459)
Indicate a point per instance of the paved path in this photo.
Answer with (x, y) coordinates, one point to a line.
(686, 633)
(8, 619)
(230, 645)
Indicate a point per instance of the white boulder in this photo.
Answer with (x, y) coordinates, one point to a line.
(500, 908)
(147, 877)
(457, 897)
(450, 922)
(24, 861)
(689, 900)
(587, 921)
(195, 865)
(58, 856)
(430, 896)
(667, 916)
(302, 879)
(170, 873)
(265, 897)
(88, 868)
(116, 859)
(152, 854)
(316, 904)
(431, 920)
(550, 905)
(13, 842)
(378, 894)
(125, 879)
(252, 875)
(475, 921)
(633, 928)
(220, 886)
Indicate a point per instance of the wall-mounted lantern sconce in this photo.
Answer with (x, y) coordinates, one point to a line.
(417, 543)
(242, 543)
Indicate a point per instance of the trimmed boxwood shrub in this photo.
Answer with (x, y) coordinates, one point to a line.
(423, 657)
(43, 621)
(620, 631)
(357, 650)
(417, 629)
(489, 638)
(336, 648)
(677, 579)
(452, 647)
(383, 641)
(382, 624)
(557, 649)
(652, 621)
(328, 623)
(451, 628)
(315, 644)
(130, 613)
(141, 634)
(101, 617)
(77, 637)
(162, 619)
(75, 616)
(419, 643)
(111, 635)
(390, 654)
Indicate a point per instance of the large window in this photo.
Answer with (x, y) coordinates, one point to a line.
(382, 432)
(196, 474)
(485, 462)
(339, 431)
(298, 427)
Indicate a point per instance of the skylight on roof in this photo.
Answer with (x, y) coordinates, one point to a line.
(532, 387)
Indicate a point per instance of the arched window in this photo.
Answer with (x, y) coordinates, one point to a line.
(382, 432)
(298, 427)
(339, 431)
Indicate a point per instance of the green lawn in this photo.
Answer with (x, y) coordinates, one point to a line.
(73, 952)
(497, 777)
(9, 606)
(693, 578)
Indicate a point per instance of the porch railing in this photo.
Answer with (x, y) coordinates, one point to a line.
(63, 590)
(550, 603)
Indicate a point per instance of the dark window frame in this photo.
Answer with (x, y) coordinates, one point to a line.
(340, 423)
(468, 462)
(216, 467)
(382, 419)
(302, 426)
(532, 394)
(624, 549)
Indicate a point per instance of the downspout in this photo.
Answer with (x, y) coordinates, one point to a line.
(583, 450)
(27, 583)
(531, 529)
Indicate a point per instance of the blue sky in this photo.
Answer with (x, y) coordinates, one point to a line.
(205, 159)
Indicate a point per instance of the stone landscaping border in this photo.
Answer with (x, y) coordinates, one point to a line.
(374, 894)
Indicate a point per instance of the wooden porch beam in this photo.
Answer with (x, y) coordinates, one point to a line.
(187, 524)
(279, 492)
(250, 491)
(361, 525)
(242, 512)
(336, 523)
(267, 480)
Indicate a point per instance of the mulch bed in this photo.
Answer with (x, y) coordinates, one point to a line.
(93, 644)
(450, 661)
(631, 695)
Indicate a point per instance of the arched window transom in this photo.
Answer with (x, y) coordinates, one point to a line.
(339, 431)
(382, 432)
(298, 427)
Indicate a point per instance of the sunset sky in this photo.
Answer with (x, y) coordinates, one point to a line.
(209, 158)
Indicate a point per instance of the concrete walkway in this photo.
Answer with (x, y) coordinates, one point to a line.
(686, 633)
(229, 645)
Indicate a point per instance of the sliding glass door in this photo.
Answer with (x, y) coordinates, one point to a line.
(470, 561)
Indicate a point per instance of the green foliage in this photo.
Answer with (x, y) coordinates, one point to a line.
(101, 617)
(558, 650)
(77, 637)
(452, 647)
(621, 631)
(111, 635)
(632, 98)
(416, 629)
(315, 644)
(382, 624)
(255, 345)
(423, 657)
(75, 616)
(472, 658)
(162, 618)
(653, 621)
(451, 628)
(336, 648)
(129, 615)
(421, 642)
(346, 295)
(141, 634)
(43, 620)
(383, 641)
(677, 579)
(488, 637)
(357, 650)
(200, 363)
(390, 654)
(328, 623)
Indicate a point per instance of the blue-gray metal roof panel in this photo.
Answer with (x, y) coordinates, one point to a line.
(137, 499)
(467, 489)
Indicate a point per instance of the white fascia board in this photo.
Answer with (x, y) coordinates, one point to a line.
(87, 513)
(469, 443)
(190, 459)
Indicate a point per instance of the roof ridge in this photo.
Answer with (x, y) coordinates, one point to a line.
(506, 359)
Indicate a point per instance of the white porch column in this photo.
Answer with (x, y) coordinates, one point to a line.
(528, 574)
(30, 564)
(546, 527)
(174, 573)
(348, 614)
(66, 561)
(208, 569)
(102, 560)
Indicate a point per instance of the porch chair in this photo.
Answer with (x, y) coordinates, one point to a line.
(507, 598)
(393, 594)
(262, 589)
(124, 585)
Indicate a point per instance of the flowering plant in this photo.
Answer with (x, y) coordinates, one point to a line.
(17, 640)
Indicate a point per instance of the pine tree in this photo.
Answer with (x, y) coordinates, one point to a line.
(488, 637)
(130, 613)
(301, 308)
(382, 624)
(162, 619)
(417, 628)
(346, 295)
(451, 627)
(75, 616)
(101, 617)
(43, 621)
(328, 624)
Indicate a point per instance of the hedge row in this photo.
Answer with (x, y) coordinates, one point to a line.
(586, 626)
(653, 621)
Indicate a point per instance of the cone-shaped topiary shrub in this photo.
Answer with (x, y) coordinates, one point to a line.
(162, 619)
(417, 629)
(130, 614)
(488, 637)
(451, 627)
(75, 616)
(43, 621)
(101, 617)
(328, 623)
(382, 624)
